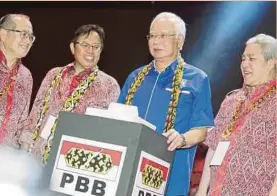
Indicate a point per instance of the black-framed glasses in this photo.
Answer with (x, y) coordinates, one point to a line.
(162, 36)
(86, 46)
(23, 34)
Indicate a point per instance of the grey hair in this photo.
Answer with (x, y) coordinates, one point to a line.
(8, 20)
(180, 24)
(267, 44)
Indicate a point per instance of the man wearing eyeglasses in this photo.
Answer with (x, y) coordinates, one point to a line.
(16, 82)
(172, 95)
(71, 88)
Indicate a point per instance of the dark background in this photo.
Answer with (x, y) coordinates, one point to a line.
(127, 23)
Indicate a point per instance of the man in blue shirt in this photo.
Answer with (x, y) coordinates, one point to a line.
(172, 95)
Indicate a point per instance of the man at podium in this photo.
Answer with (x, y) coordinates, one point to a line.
(172, 95)
(71, 88)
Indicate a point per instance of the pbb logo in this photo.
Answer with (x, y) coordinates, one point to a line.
(90, 161)
(152, 177)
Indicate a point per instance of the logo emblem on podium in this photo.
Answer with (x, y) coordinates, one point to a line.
(91, 161)
(152, 176)
(87, 167)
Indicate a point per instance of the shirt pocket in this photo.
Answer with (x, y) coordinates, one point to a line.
(185, 98)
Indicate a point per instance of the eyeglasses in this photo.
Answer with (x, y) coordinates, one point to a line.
(87, 46)
(23, 34)
(162, 36)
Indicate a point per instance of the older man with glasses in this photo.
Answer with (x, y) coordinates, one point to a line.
(16, 82)
(241, 159)
(71, 88)
(172, 95)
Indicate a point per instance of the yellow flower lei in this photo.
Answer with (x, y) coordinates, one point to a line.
(176, 85)
(70, 103)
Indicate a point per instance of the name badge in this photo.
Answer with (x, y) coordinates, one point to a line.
(220, 152)
(46, 131)
(183, 91)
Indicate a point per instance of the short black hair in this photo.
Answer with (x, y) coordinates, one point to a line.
(8, 20)
(86, 29)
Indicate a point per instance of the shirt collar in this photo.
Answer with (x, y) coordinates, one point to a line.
(257, 89)
(170, 68)
(83, 74)
(3, 63)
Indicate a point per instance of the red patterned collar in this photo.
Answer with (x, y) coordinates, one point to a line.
(3, 64)
(81, 75)
(259, 89)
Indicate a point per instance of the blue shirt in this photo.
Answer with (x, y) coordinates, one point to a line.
(194, 110)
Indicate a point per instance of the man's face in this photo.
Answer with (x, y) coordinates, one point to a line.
(18, 41)
(87, 50)
(255, 69)
(163, 41)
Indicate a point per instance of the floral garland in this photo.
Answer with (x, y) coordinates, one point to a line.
(253, 103)
(176, 84)
(70, 103)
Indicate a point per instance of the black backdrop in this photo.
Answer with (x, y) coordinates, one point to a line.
(125, 24)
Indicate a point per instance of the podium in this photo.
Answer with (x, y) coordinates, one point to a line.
(96, 156)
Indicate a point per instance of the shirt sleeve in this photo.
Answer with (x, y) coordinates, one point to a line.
(202, 112)
(30, 123)
(214, 134)
(25, 112)
(112, 91)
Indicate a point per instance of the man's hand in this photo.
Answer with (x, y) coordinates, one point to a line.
(174, 139)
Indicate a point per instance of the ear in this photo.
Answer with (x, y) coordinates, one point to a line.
(72, 48)
(3, 34)
(181, 41)
(271, 64)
